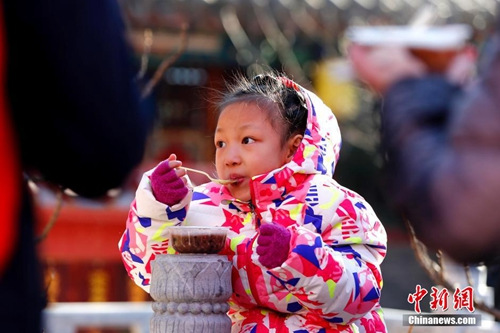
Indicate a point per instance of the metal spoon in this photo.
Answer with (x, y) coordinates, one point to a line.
(215, 180)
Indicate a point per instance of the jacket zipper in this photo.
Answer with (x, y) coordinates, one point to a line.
(251, 271)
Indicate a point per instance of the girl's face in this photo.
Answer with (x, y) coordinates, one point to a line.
(247, 144)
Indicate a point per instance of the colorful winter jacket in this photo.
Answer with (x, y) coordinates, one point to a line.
(331, 280)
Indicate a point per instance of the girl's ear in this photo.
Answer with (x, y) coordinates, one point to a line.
(292, 146)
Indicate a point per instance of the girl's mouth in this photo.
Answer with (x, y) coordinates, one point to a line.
(236, 179)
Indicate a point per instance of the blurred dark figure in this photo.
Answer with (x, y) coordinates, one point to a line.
(441, 139)
(70, 112)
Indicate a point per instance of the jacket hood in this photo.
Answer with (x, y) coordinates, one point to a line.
(320, 147)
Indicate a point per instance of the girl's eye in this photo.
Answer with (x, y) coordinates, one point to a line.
(220, 144)
(247, 140)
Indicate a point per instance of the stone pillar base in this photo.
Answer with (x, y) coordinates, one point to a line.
(191, 293)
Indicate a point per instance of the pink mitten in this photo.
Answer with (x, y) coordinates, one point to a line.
(167, 187)
(273, 245)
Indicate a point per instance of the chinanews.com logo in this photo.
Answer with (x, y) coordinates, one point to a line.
(462, 299)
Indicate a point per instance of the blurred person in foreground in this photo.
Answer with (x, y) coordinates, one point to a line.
(441, 141)
(70, 112)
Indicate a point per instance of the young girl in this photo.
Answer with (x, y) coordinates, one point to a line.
(306, 251)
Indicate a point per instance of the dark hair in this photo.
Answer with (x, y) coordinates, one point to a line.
(271, 90)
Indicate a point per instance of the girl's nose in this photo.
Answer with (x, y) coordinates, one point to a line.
(232, 156)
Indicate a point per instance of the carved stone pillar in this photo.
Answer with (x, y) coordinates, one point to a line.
(190, 293)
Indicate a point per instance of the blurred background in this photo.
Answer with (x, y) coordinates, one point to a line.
(188, 49)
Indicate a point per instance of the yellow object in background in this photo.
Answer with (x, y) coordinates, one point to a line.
(333, 82)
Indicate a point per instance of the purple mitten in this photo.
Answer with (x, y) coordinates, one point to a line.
(167, 187)
(273, 245)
